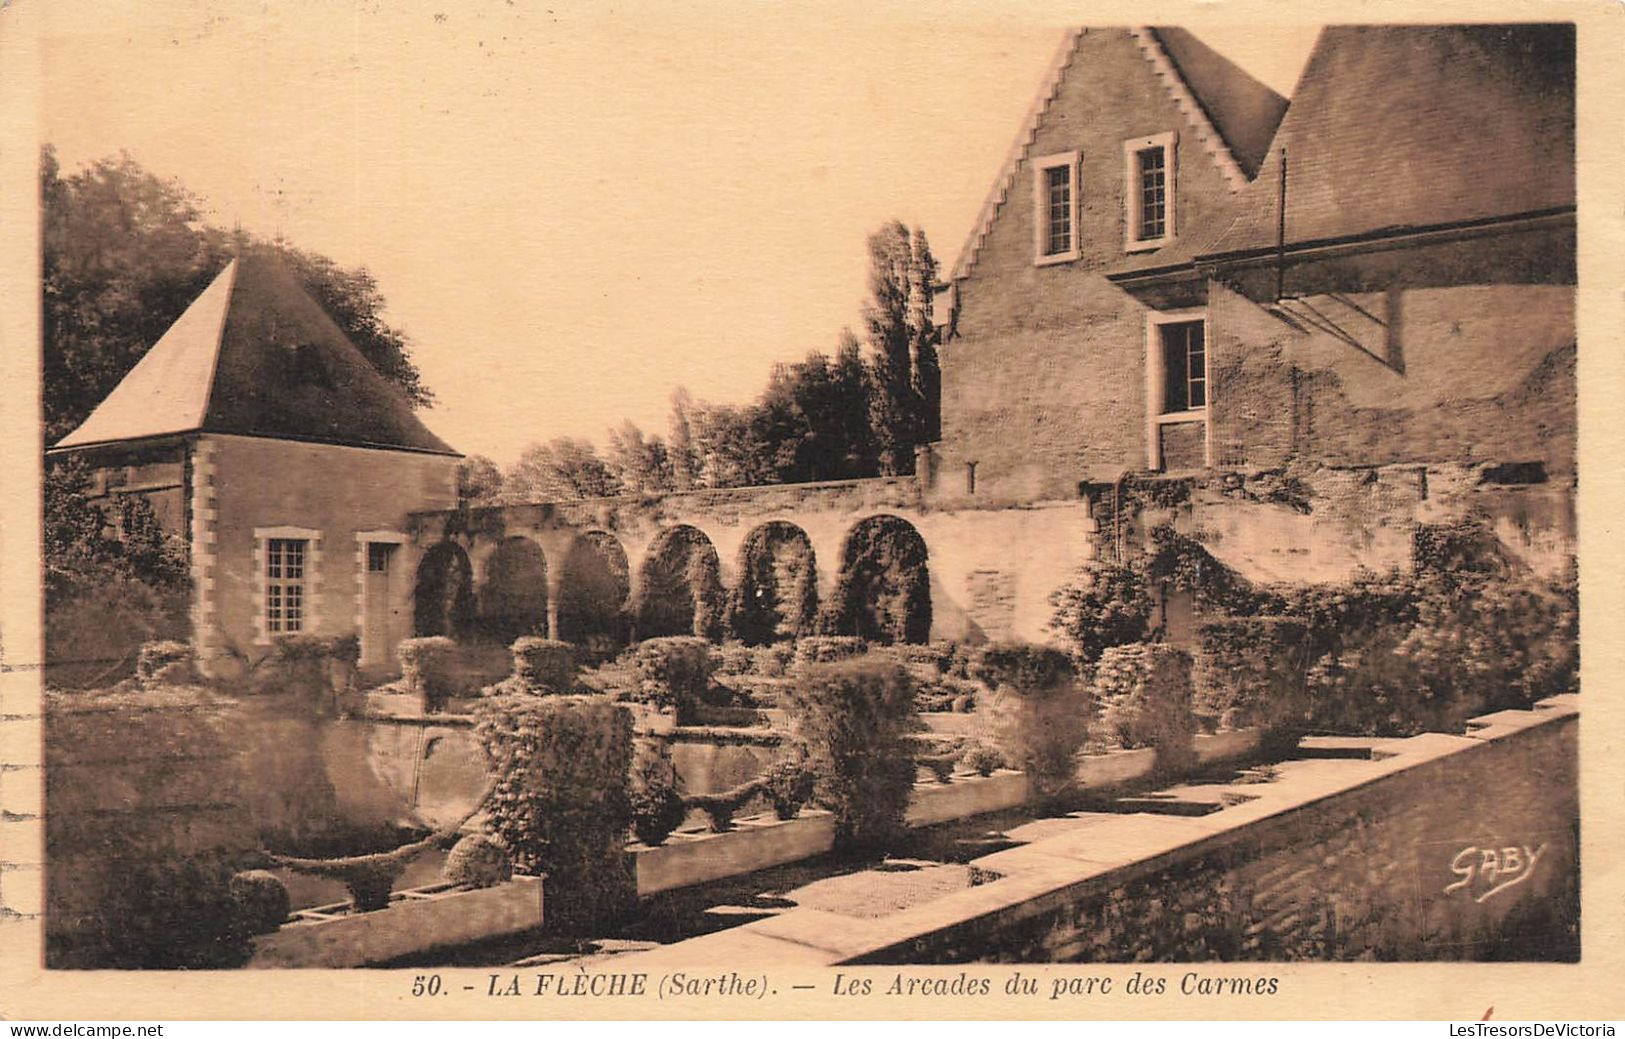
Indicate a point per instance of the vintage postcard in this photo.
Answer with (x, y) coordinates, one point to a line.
(810, 510)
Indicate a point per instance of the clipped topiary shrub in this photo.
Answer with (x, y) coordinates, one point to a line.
(788, 783)
(657, 807)
(262, 900)
(1254, 671)
(168, 662)
(560, 802)
(1144, 691)
(826, 649)
(544, 666)
(477, 861)
(1041, 712)
(1022, 665)
(982, 758)
(674, 672)
(851, 721)
(427, 669)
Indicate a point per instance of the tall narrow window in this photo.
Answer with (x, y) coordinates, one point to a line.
(1148, 191)
(1055, 208)
(1184, 367)
(1153, 193)
(285, 585)
(1058, 195)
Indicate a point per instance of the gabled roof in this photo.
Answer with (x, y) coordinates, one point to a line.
(1232, 114)
(255, 355)
(1399, 128)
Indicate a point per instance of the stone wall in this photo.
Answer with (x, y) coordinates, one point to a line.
(1469, 857)
(1462, 373)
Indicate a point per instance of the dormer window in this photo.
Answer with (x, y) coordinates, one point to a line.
(1057, 188)
(1148, 192)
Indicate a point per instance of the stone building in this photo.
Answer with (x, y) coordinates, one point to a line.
(1340, 326)
(259, 431)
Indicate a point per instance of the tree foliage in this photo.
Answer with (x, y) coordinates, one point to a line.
(125, 252)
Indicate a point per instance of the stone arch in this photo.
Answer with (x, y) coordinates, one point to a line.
(595, 580)
(680, 587)
(443, 597)
(513, 591)
(883, 591)
(777, 594)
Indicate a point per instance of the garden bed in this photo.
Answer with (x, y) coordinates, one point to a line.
(415, 921)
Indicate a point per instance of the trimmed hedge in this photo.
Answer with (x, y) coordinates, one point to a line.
(788, 783)
(262, 900)
(851, 721)
(826, 649)
(428, 669)
(1144, 691)
(477, 861)
(544, 666)
(1042, 712)
(560, 803)
(657, 807)
(673, 672)
(1254, 671)
(1022, 665)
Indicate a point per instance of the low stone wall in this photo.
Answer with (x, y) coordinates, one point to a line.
(1435, 847)
(416, 921)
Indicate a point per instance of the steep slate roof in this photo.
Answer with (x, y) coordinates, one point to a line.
(1394, 128)
(1233, 114)
(255, 355)
(1243, 110)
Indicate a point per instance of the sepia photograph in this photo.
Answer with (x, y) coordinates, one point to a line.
(735, 502)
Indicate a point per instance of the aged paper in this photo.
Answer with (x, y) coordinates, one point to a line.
(571, 212)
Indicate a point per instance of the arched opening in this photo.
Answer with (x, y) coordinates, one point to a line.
(681, 591)
(443, 598)
(592, 595)
(883, 592)
(513, 593)
(777, 595)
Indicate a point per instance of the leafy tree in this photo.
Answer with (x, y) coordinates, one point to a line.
(564, 467)
(685, 462)
(902, 341)
(479, 481)
(641, 463)
(125, 252)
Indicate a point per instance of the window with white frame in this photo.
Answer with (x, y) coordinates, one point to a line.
(1148, 191)
(1057, 187)
(285, 561)
(287, 569)
(1178, 395)
(1184, 366)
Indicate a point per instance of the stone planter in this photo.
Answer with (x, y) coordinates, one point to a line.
(1224, 746)
(1115, 767)
(950, 723)
(414, 921)
(964, 796)
(756, 842)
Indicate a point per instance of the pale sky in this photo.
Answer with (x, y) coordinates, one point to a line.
(573, 208)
